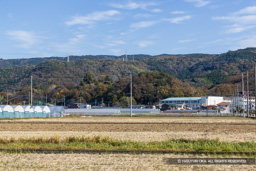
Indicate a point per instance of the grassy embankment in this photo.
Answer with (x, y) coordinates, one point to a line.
(106, 143)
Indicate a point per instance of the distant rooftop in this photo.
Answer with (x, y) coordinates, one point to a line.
(182, 98)
(224, 103)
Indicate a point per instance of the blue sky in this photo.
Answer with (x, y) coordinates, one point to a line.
(40, 28)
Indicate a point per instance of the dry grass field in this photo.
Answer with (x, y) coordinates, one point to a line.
(124, 128)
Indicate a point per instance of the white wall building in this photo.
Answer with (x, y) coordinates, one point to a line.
(195, 102)
(213, 100)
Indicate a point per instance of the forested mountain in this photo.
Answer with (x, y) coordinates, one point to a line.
(210, 74)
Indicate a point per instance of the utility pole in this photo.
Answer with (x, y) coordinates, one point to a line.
(235, 96)
(131, 96)
(237, 101)
(31, 91)
(243, 94)
(64, 101)
(248, 93)
(7, 96)
(255, 89)
(232, 102)
(29, 98)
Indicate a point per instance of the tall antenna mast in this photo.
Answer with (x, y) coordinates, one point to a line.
(68, 58)
(243, 94)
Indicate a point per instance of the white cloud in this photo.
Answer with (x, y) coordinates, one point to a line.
(241, 20)
(26, 38)
(246, 19)
(156, 10)
(143, 24)
(71, 45)
(145, 43)
(115, 43)
(247, 10)
(76, 39)
(133, 5)
(186, 40)
(249, 41)
(198, 3)
(92, 18)
(178, 12)
(116, 51)
(178, 20)
(143, 15)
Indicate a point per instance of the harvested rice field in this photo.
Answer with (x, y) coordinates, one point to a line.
(104, 162)
(136, 128)
(143, 129)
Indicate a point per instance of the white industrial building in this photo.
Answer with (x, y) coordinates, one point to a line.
(176, 102)
(194, 102)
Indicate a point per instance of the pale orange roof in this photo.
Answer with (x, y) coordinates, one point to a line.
(211, 106)
(223, 103)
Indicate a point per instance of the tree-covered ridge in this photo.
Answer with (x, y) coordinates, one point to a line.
(207, 72)
(65, 74)
(148, 88)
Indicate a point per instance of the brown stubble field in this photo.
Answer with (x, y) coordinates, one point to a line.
(136, 128)
(123, 128)
(108, 162)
